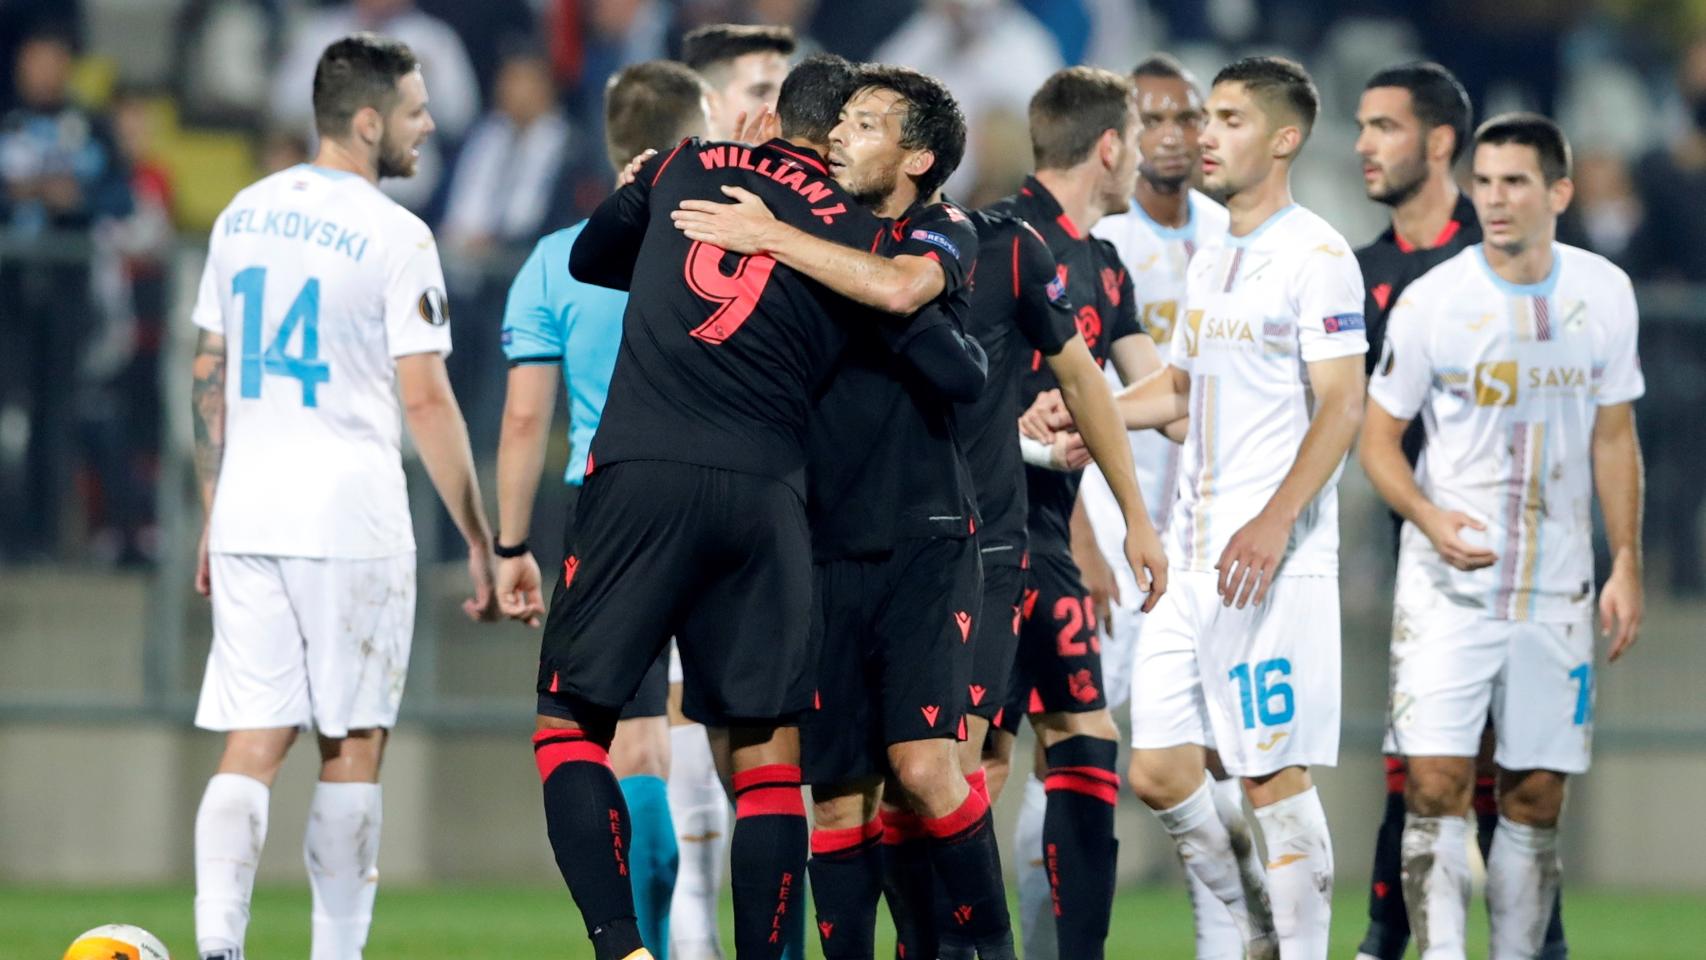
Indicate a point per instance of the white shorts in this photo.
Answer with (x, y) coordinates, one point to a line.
(310, 643)
(1271, 696)
(1119, 646)
(1453, 667)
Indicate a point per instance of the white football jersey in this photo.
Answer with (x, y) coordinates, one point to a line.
(1258, 310)
(318, 282)
(1156, 257)
(1508, 380)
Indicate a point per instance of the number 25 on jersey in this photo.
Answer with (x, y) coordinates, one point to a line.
(306, 367)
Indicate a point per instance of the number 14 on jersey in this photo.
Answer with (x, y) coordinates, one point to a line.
(306, 367)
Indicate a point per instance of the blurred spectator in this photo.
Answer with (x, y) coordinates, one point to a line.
(992, 55)
(744, 66)
(1672, 178)
(217, 44)
(613, 34)
(488, 30)
(1605, 215)
(1068, 21)
(59, 174)
(22, 19)
(855, 30)
(451, 87)
(509, 165)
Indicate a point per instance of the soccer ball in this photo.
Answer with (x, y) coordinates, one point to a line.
(117, 941)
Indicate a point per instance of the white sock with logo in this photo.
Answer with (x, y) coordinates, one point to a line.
(1204, 845)
(701, 812)
(1523, 875)
(1300, 873)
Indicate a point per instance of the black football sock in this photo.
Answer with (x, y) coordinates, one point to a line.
(1388, 933)
(1079, 848)
(767, 858)
(587, 821)
(972, 914)
(846, 872)
(909, 885)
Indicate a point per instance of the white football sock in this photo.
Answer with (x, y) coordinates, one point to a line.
(1523, 874)
(1218, 936)
(1436, 884)
(230, 830)
(1036, 903)
(1205, 848)
(341, 848)
(1300, 873)
(701, 812)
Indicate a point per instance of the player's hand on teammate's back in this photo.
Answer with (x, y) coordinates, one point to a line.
(740, 227)
(1046, 415)
(1444, 529)
(1251, 559)
(1621, 607)
(203, 570)
(632, 170)
(482, 607)
(761, 127)
(518, 589)
(1148, 560)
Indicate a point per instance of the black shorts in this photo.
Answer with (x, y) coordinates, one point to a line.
(1059, 667)
(894, 650)
(718, 559)
(995, 641)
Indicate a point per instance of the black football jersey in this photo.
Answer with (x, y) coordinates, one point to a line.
(721, 354)
(1104, 310)
(884, 458)
(1019, 311)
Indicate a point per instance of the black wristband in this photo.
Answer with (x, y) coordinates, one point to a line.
(509, 553)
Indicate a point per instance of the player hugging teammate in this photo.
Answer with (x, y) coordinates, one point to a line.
(834, 431)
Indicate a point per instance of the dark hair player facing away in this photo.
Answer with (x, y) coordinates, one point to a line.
(744, 65)
(692, 516)
(308, 555)
(1084, 136)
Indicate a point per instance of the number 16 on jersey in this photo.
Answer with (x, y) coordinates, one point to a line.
(304, 312)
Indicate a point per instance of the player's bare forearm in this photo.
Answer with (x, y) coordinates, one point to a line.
(897, 285)
(1339, 387)
(1086, 394)
(1620, 482)
(1381, 451)
(528, 404)
(441, 436)
(1157, 401)
(207, 404)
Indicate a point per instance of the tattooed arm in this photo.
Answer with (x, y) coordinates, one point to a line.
(207, 396)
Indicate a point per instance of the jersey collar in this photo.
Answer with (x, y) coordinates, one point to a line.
(1034, 189)
(1250, 237)
(1462, 215)
(1542, 289)
(1185, 231)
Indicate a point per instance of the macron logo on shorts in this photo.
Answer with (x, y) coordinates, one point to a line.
(963, 619)
(930, 714)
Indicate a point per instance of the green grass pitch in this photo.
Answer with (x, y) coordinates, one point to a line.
(478, 923)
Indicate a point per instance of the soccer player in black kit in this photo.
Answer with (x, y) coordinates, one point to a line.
(1084, 132)
(893, 527)
(1414, 122)
(692, 521)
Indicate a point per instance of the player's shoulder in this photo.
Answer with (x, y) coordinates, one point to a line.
(1306, 233)
(1590, 270)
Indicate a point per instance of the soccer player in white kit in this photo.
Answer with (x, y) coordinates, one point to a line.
(1168, 221)
(1519, 355)
(1243, 653)
(322, 299)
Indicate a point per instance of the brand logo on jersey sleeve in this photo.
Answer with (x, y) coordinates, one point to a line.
(1111, 285)
(1342, 322)
(937, 240)
(433, 307)
(1495, 384)
(1056, 289)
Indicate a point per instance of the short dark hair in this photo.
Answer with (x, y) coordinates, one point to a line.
(933, 119)
(1164, 66)
(651, 106)
(812, 95)
(1436, 98)
(1276, 81)
(1531, 130)
(357, 72)
(716, 45)
(1072, 110)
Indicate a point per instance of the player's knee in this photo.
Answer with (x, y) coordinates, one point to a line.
(1439, 789)
(640, 748)
(1160, 783)
(925, 768)
(353, 758)
(257, 754)
(1533, 798)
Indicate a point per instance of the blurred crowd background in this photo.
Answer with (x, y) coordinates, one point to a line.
(126, 125)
